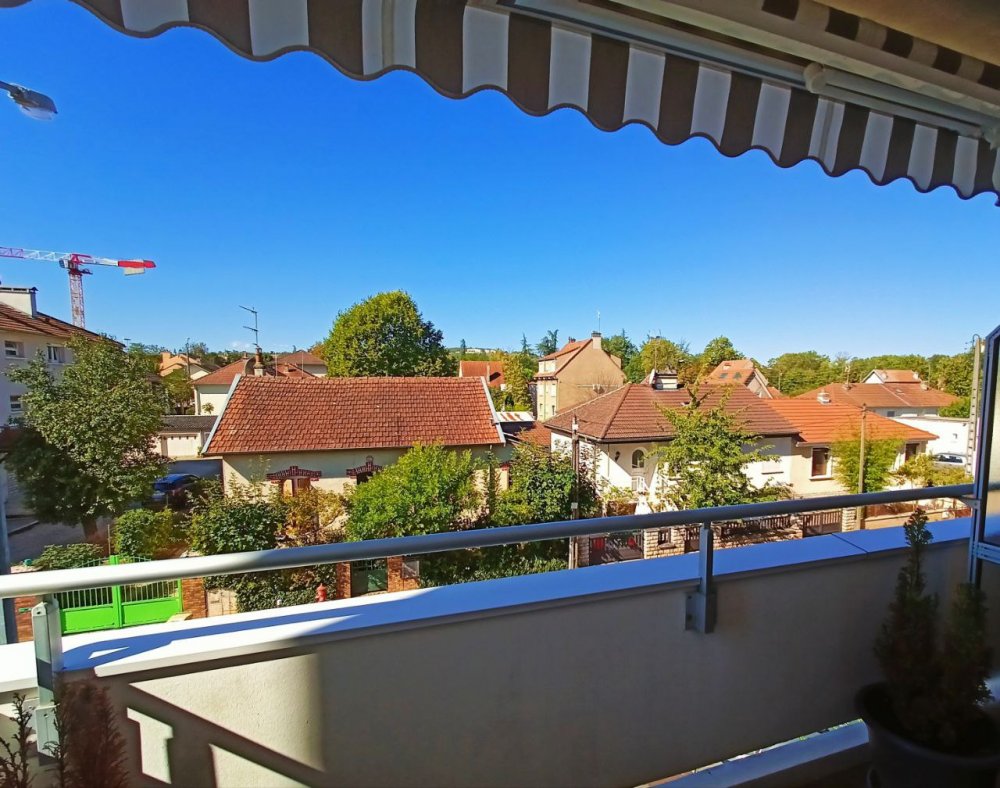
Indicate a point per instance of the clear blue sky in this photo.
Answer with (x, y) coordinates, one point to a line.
(287, 186)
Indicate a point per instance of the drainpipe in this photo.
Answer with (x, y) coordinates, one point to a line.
(574, 506)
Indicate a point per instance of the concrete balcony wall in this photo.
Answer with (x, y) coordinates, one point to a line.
(573, 678)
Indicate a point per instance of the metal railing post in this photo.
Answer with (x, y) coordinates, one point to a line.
(702, 607)
(46, 628)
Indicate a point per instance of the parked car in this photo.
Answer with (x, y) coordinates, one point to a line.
(950, 460)
(175, 490)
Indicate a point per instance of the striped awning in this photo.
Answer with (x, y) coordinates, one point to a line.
(618, 66)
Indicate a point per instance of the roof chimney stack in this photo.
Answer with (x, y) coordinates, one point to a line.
(21, 298)
(595, 338)
(258, 363)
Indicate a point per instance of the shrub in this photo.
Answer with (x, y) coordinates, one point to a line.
(142, 533)
(69, 556)
(935, 689)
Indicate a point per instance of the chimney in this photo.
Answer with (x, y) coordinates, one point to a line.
(21, 298)
(823, 398)
(595, 339)
(258, 363)
(165, 356)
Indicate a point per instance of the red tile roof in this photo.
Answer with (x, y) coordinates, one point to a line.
(223, 376)
(897, 375)
(537, 434)
(491, 370)
(634, 413)
(883, 395)
(274, 414)
(819, 423)
(570, 347)
(12, 319)
(301, 358)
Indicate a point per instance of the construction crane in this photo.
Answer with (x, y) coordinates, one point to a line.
(74, 264)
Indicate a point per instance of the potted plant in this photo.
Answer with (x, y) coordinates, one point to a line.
(925, 723)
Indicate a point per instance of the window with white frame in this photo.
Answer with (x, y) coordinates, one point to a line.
(15, 403)
(638, 459)
(13, 349)
(56, 354)
(639, 484)
(820, 462)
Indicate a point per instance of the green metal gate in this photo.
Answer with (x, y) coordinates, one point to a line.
(114, 607)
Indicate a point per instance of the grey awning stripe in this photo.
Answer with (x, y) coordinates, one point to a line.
(542, 64)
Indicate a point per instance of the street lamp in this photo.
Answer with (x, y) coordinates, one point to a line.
(33, 104)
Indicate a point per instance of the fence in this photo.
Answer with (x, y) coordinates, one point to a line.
(117, 606)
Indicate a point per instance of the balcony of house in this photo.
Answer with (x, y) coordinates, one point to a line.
(607, 675)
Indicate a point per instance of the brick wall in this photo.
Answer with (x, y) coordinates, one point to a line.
(193, 598)
(22, 615)
(343, 582)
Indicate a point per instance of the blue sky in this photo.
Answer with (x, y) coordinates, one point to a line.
(292, 188)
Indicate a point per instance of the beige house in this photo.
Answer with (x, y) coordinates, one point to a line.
(334, 433)
(26, 334)
(191, 366)
(743, 372)
(579, 372)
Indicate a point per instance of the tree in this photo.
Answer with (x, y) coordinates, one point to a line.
(549, 343)
(197, 350)
(517, 371)
(541, 489)
(430, 489)
(880, 456)
(462, 348)
(657, 353)
(716, 351)
(707, 458)
(180, 392)
(386, 335)
(954, 375)
(922, 471)
(796, 373)
(957, 410)
(85, 447)
(620, 345)
(150, 355)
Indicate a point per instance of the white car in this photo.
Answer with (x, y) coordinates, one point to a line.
(950, 460)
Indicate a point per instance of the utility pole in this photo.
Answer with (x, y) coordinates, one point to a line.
(974, 394)
(861, 464)
(574, 505)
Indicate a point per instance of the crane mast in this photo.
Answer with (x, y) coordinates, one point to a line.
(75, 263)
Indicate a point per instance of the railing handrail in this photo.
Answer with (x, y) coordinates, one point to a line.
(58, 581)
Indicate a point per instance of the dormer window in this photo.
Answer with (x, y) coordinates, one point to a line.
(638, 459)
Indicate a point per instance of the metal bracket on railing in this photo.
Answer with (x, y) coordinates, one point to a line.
(46, 628)
(702, 607)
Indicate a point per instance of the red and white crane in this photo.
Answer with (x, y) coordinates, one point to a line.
(74, 264)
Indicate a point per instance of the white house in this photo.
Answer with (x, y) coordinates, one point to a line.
(183, 437)
(336, 432)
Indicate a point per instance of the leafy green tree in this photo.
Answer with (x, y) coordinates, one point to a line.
(954, 375)
(541, 489)
(880, 456)
(957, 410)
(525, 347)
(150, 355)
(795, 373)
(180, 392)
(517, 371)
(386, 335)
(862, 367)
(708, 456)
(657, 353)
(430, 489)
(549, 343)
(716, 351)
(922, 471)
(620, 345)
(85, 447)
(241, 521)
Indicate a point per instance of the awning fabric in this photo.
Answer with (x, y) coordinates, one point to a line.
(543, 63)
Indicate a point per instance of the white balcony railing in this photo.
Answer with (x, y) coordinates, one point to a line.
(581, 677)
